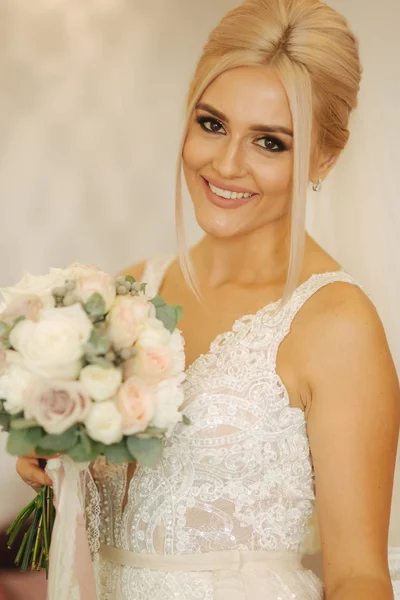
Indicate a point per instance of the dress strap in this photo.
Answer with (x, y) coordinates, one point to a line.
(154, 272)
(304, 292)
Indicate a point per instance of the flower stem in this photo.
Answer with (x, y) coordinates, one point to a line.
(38, 542)
(46, 517)
(21, 549)
(31, 537)
(21, 519)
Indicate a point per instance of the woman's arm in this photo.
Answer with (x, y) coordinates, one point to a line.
(353, 427)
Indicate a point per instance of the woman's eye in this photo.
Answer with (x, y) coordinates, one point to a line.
(210, 125)
(271, 144)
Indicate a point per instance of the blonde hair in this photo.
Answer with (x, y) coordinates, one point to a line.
(315, 54)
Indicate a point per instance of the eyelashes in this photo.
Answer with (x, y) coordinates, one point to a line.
(213, 126)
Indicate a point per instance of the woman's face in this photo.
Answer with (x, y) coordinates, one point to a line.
(238, 153)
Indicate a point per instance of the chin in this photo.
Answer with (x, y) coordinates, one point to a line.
(219, 222)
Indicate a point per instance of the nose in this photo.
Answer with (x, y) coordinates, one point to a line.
(229, 160)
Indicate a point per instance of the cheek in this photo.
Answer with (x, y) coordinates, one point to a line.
(275, 177)
(196, 152)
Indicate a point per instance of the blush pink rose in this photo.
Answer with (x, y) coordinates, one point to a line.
(97, 282)
(57, 405)
(126, 320)
(22, 306)
(153, 364)
(135, 402)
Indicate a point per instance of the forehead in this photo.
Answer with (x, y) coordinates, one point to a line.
(250, 95)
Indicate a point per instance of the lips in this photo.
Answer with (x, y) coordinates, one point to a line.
(229, 203)
(229, 188)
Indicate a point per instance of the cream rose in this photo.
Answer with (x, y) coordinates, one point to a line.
(154, 334)
(177, 345)
(40, 286)
(126, 320)
(53, 346)
(97, 282)
(135, 402)
(169, 397)
(101, 384)
(14, 382)
(78, 270)
(57, 405)
(104, 423)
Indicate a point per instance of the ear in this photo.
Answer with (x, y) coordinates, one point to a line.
(322, 164)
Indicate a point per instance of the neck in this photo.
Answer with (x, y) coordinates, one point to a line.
(260, 259)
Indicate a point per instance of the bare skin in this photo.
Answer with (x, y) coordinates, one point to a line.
(335, 363)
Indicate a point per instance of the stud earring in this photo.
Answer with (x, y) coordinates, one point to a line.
(317, 185)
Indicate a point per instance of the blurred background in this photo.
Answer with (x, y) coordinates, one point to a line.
(91, 104)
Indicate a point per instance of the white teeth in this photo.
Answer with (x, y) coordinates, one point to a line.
(228, 195)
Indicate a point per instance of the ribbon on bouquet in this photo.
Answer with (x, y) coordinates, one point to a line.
(70, 567)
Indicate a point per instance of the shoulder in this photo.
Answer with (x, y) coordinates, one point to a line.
(343, 311)
(346, 338)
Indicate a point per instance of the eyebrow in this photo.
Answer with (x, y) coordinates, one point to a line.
(261, 128)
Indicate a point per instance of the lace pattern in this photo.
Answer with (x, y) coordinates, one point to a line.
(239, 477)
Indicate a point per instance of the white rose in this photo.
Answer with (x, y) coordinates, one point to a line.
(53, 346)
(153, 334)
(14, 383)
(32, 285)
(177, 344)
(169, 397)
(101, 384)
(78, 270)
(104, 423)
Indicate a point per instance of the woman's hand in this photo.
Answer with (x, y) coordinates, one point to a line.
(29, 469)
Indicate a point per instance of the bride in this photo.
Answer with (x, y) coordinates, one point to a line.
(291, 390)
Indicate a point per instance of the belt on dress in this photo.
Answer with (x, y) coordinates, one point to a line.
(207, 561)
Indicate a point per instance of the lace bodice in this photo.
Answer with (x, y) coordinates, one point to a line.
(240, 476)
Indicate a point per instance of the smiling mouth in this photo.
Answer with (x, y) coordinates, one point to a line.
(228, 194)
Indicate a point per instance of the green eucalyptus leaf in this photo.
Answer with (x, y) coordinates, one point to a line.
(60, 442)
(4, 328)
(147, 452)
(95, 306)
(85, 449)
(130, 279)
(99, 342)
(23, 423)
(178, 312)
(186, 420)
(5, 419)
(117, 453)
(46, 453)
(167, 315)
(23, 441)
(157, 301)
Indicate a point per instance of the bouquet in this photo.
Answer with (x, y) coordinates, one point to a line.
(90, 365)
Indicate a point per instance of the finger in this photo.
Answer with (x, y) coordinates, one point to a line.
(31, 473)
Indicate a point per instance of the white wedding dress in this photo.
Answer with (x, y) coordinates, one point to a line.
(225, 514)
